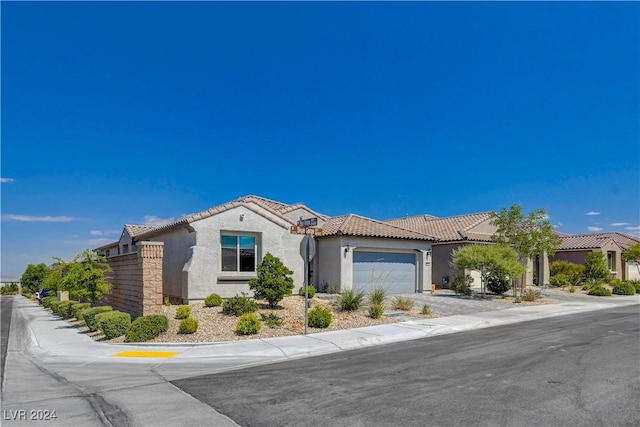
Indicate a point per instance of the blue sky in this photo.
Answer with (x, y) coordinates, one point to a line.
(120, 112)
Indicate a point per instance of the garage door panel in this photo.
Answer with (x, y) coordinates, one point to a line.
(395, 272)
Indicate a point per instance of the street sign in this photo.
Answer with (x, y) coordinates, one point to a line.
(309, 222)
(295, 229)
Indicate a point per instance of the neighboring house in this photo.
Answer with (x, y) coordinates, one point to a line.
(575, 247)
(361, 254)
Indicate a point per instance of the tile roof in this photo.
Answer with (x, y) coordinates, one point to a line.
(596, 240)
(136, 230)
(452, 228)
(355, 225)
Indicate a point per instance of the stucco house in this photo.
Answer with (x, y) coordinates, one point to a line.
(575, 247)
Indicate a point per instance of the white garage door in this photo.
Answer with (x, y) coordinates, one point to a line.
(395, 272)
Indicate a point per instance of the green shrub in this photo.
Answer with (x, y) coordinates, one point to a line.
(113, 323)
(64, 309)
(77, 309)
(53, 305)
(188, 326)
(89, 316)
(497, 285)
(320, 317)
(146, 328)
(46, 301)
(375, 310)
(332, 289)
(377, 295)
(599, 291)
(426, 310)
(461, 284)
(624, 288)
(559, 280)
(183, 311)
(248, 324)
(595, 267)
(237, 306)
(400, 303)
(273, 281)
(636, 284)
(213, 300)
(572, 289)
(350, 300)
(272, 320)
(531, 294)
(312, 291)
(572, 272)
(167, 300)
(590, 283)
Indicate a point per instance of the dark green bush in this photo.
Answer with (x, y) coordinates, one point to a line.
(319, 317)
(273, 281)
(248, 324)
(46, 301)
(237, 306)
(53, 305)
(213, 300)
(89, 316)
(636, 284)
(572, 272)
(188, 326)
(599, 291)
(63, 309)
(559, 280)
(113, 324)
(312, 291)
(183, 311)
(77, 309)
(497, 285)
(272, 320)
(461, 284)
(146, 328)
(624, 288)
(350, 300)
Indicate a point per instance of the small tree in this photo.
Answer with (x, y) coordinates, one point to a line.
(632, 254)
(273, 281)
(595, 267)
(499, 260)
(84, 276)
(33, 277)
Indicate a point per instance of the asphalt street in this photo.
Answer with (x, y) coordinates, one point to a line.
(578, 370)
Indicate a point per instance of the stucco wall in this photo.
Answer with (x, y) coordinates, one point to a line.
(442, 256)
(336, 264)
(202, 271)
(176, 250)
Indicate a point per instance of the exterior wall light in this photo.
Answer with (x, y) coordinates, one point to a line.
(241, 217)
(347, 248)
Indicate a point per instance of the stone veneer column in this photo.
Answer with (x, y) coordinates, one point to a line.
(150, 262)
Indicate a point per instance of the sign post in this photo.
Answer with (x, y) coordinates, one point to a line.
(306, 227)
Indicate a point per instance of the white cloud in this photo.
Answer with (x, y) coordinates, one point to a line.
(30, 218)
(155, 221)
(6, 180)
(619, 224)
(633, 228)
(559, 224)
(592, 213)
(96, 233)
(594, 228)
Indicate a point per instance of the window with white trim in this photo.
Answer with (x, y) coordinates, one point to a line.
(238, 252)
(611, 260)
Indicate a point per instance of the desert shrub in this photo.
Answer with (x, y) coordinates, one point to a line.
(636, 284)
(188, 326)
(89, 316)
(166, 300)
(274, 280)
(624, 288)
(400, 303)
(312, 291)
(531, 294)
(78, 308)
(461, 284)
(572, 289)
(497, 285)
(595, 267)
(272, 320)
(113, 323)
(332, 289)
(53, 305)
(377, 295)
(375, 310)
(64, 309)
(248, 324)
(426, 310)
(599, 291)
(590, 283)
(572, 272)
(350, 300)
(146, 328)
(559, 280)
(320, 317)
(46, 301)
(213, 300)
(237, 306)
(183, 311)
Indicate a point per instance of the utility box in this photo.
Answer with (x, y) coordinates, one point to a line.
(63, 295)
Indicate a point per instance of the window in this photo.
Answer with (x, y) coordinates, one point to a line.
(611, 261)
(125, 249)
(238, 253)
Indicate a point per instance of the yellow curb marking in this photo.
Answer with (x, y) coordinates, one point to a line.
(154, 354)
